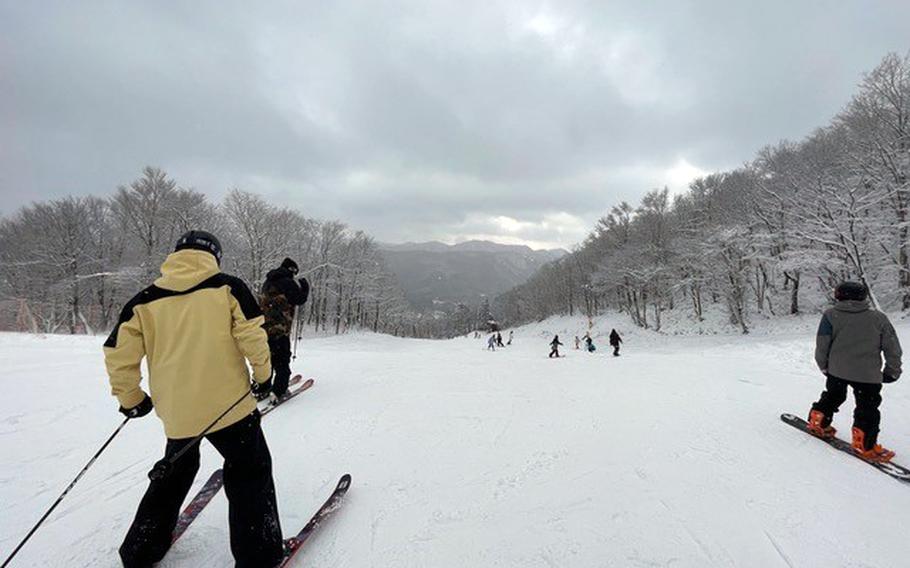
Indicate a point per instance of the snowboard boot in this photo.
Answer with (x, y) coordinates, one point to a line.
(874, 453)
(820, 425)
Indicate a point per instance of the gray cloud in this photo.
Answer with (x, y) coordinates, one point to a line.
(416, 120)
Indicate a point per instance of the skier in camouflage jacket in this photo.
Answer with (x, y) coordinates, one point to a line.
(281, 295)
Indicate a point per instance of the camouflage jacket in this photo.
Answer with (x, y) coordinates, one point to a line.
(279, 298)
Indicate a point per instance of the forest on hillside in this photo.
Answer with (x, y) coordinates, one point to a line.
(69, 265)
(768, 239)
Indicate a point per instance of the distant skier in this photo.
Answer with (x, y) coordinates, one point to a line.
(280, 296)
(554, 346)
(615, 340)
(851, 340)
(589, 344)
(511, 334)
(491, 343)
(197, 328)
(577, 342)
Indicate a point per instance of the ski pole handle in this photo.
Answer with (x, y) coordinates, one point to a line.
(62, 495)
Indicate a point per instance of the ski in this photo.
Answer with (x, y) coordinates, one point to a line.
(288, 396)
(211, 488)
(215, 481)
(295, 543)
(892, 469)
(291, 382)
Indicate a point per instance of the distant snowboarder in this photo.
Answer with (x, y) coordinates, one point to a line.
(589, 344)
(848, 349)
(511, 334)
(577, 342)
(615, 340)
(491, 343)
(281, 295)
(499, 342)
(554, 346)
(197, 328)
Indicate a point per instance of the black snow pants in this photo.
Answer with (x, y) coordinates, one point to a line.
(555, 351)
(252, 506)
(866, 415)
(616, 349)
(281, 363)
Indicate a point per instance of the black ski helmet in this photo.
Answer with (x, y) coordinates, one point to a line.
(851, 291)
(200, 240)
(290, 265)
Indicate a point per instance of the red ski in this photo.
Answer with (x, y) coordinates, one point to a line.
(295, 543)
(288, 395)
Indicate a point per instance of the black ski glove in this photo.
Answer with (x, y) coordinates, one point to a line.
(261, 390)
(886, 378)
(139, 410)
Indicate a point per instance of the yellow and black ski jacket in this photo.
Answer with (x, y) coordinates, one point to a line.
(197, 328)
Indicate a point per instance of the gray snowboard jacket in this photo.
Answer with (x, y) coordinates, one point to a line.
(851, 340)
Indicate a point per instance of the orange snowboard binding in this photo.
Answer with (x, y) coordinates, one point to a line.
(874, 454)
(817, 426)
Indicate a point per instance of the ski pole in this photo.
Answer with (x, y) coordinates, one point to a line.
(62, 495)
(297, 331)
(164, 466)
(294, 350)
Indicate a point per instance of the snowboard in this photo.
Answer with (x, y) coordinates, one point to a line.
(295, 543)
(896, 471)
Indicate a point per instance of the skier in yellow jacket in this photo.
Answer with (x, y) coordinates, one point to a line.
(197, 328)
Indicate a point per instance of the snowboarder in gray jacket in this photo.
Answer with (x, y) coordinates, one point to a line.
(851, 339)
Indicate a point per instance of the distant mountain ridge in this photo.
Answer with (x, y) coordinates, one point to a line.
(474, 246)
(437, 276)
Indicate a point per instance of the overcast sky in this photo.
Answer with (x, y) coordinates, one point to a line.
(513, 121)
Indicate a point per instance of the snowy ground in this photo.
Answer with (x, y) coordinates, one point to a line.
(671, 455)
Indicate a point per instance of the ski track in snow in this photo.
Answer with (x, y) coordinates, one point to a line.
(671, 455)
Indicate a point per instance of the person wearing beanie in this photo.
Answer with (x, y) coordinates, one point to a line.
(197, 328)
(554, 346)
(615, 340)
(851, 339)
(280, 296)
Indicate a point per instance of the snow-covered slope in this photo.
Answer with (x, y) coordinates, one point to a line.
(671, 455)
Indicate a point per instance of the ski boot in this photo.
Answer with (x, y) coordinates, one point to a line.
(820, 425)
(276, 399)
(874, 454)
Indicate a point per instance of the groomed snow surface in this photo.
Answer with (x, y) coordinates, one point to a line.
(671, 455)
